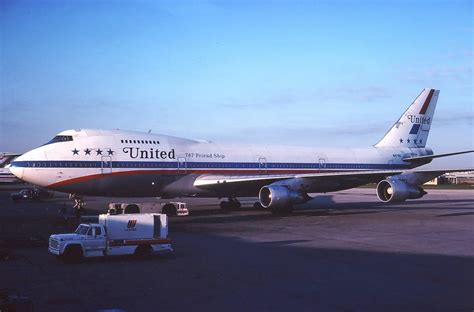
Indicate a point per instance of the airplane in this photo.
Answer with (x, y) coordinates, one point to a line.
(117, 163)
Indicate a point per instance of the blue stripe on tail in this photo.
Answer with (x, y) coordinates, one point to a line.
(415, 128)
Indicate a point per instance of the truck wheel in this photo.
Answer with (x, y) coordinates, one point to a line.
(72, 254)
(143, 252)
(169, 210)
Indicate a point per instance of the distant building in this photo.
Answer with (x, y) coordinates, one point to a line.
(466, 177)
(435, 181)
(6, 177)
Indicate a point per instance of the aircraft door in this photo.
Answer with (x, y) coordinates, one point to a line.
(262, 165)
(182, 165)
(322, 164)
(106, 164)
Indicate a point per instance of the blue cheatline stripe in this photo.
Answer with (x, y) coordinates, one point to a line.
(200, 165)
(415, 128)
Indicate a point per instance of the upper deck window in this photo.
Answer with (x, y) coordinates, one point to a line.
(60, 138)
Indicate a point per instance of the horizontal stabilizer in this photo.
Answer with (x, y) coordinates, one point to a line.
(428, 158)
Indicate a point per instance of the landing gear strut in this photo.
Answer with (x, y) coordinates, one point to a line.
(79, 204)
(233, 203)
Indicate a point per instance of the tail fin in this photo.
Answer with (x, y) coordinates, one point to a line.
(413, 127)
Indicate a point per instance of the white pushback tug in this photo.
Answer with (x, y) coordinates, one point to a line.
(123, 234)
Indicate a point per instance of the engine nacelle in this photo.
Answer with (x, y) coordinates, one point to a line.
(278, 197)
(393, 190)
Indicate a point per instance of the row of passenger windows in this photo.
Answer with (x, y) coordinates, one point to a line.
(140, 141)
(189, 165)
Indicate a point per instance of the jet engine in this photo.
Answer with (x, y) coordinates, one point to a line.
(394, 190)
(280, 197)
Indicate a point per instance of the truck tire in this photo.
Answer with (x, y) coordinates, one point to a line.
(169, 210)
(72, 254)
(143, 252)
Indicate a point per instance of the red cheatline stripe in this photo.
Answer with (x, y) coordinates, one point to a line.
(427, 102)
(139, 172)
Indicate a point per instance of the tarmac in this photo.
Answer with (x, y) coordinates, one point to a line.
(343, 251)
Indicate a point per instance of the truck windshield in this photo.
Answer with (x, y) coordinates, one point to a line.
(82, 229)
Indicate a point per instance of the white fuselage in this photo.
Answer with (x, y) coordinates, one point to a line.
(127, 163)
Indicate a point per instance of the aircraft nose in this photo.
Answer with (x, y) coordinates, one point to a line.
(19, 166)
(17, 171)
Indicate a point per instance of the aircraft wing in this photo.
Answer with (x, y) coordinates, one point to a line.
(221, 182)
(428, 158)
(212, 181)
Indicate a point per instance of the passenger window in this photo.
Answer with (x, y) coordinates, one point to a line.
(89, 232)
(98, 231)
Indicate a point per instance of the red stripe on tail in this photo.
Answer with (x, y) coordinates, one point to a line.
(427, 102)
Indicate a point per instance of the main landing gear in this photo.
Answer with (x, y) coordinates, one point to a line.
(232, 203)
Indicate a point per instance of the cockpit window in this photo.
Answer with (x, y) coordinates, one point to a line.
(60, 138)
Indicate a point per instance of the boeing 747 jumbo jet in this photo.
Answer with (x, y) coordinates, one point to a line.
(134, 164)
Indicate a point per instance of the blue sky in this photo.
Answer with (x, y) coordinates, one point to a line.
(324, 73)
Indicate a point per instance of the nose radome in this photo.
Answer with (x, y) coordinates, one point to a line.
(17, 167)
(17, 171)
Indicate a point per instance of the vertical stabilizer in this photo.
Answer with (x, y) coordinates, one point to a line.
(413, 127)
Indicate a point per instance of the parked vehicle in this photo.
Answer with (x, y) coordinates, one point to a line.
(31, 194)
(125, 234)
(169, 208)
